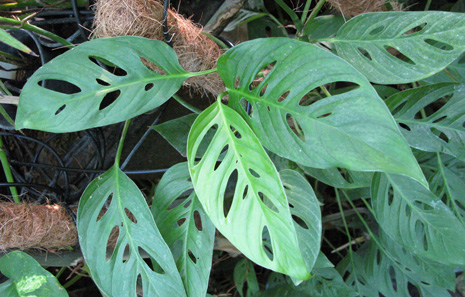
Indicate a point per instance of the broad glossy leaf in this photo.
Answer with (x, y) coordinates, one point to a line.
(323, 27)
(456, 69)
(305, 210)
(185, 227)
(417, 219)
(392, 270)
(443, 129)
(80, 94)
(259, 207)
(352, 129)
(340, 178)
(401, 47)
(128, 213)
(27, 277)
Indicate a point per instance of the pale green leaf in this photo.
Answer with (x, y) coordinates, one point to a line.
(417, 219)
(442, 130)
(99, 96)
(126, 211)
(401, 47)
(185, 227)
(352, 129)
(259, 208)
(27, 277)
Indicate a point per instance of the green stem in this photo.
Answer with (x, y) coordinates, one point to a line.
(295, 19)
(216, 40)
(315, 11)
(306, 9)
(7, 171)
(24, 25)
(121, 142)
(60, 272)
(323, 88)
(450, 75)
(428, 4)
(72, 281)
(186, 104)
(204, 72)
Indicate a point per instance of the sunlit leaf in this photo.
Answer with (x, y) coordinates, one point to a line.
(125, 211)
(401, 47)
(257, 220)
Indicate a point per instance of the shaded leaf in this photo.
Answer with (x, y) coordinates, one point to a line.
(27, 277)
(101, 86)
(352, 129)
(128, 213)
(185, 227)
(323, 27)
(401, 47)
(340, 178)
(443, 129)
(244, 272)
(6, 38)
(257, 220)
(417, 219)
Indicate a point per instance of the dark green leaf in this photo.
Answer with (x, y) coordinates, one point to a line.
(185, 227)
(128, 213)
(176, 132)
(340, 178)
(244, 272)
(323, 27)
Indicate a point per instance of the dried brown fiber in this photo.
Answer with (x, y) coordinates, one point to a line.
(143, 18)
(350, 8)
(26, 225)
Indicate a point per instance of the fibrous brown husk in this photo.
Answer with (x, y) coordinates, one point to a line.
(143, 18)
(26, 225)
(350, 8)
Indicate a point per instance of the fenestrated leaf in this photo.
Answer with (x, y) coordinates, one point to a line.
(79, 93)
(455, 72)
(401, 47)
(306, 213)
(417, 219)
(392, 270)
(352, 129)
(340, 178)
(27, 277)
(185, 227)
(129, 214)
(259, 208)
(443, 129)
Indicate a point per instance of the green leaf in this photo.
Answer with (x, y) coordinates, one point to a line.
(323, 27)
(417, 219)
(127, 212)
(244, 272)
(401, 47)
(454, 72)
(6, 38)
(185, 227)
(258, 222)
(352, 129)
(391, 270)
(340, 178)
(442, 130)
(305, 210)
(27, 277)
(99, 96)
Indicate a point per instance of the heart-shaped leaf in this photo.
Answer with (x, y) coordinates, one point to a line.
(258, 221)
(442, 129)
(95, 85)
(185, 227)
(128, 214)
(352, 129)
(401, 47)
(27, 277)
(417, 219)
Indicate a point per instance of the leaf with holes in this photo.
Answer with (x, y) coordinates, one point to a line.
(432, 118)
(257, 221)
(129, 216)
(393, 271)
(340, 178)
(305, 210)
(417, 219)
(292, 118)
(94, 85)
(401, 47)
(185, 227)
(27, 277)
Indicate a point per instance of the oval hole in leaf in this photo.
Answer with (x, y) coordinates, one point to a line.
(230, 188)
(204, 143)
(198, 220)
(439, 45)
(237, 82)
(376, 30)
(283, 96)
(235, 132)
(254, 173)
(130, 215)
(295, 126)
(60, 109)
(180, 222)
(461, 61)
(324, 115)
(188, 203)
(111, 242)
(404, 126)
(423, 206)
(433, 107)
(127, 253)
(261, 75)
(415, 29)
(365, 53)
(263, 90)
(267, 246)
(223, 153)
(398, 55)
(191, 256)
(156, 266)
(104, 209)
(148, 87)
(108, 66)
(246, 190)
(299, 222)
(60, 86)
(246, 106)
(440, 134)
(439, 119)
(102, 82)
(108, 99)
(151, 66)
(267, 202)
